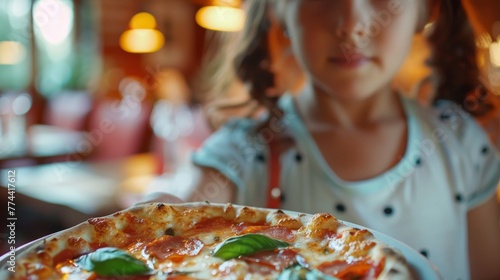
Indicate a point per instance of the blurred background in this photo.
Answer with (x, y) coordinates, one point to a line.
(100, 100)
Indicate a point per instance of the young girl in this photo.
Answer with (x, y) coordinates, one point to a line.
(350, 145)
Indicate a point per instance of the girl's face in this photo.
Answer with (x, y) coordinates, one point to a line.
(351, 49)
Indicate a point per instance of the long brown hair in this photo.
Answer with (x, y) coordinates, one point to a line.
(252, 64)
(244, 56)
(454, 56)
(241, 57)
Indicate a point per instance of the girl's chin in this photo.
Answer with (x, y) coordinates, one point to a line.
(349, 92)
(351, 98)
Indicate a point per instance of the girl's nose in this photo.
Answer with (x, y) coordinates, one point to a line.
(349, 19)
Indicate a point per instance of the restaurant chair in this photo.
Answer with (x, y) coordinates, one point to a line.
(118, 128)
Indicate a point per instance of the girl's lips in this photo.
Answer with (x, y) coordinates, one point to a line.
(350, 62)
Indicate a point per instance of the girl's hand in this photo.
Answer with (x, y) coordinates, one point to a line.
(207, 185)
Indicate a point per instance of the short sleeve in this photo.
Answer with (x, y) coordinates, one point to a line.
(486, 163)
(481, 156)
(229, 150)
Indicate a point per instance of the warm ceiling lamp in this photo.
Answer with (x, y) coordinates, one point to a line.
(495, 53)
(142, 37)
(225, 15)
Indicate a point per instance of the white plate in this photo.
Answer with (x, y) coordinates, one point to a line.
(424, 269)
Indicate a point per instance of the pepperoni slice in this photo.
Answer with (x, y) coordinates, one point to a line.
(269, 261)
(173, 247)
(65, 255)
(208, 225)
(217, 225)
(362, 269)
(280, 233)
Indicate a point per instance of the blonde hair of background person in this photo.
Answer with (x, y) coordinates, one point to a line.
(225, 96)
(425, 176)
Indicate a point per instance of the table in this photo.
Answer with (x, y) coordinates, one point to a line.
(91, 188)
(52, 197)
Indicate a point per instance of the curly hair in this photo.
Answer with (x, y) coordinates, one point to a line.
(243, 56)
(252, 64)
(453, 60)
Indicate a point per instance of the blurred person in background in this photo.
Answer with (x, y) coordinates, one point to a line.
(226, 96)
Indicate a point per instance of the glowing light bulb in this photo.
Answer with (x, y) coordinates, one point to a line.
(142, 40)
(143, 21)
(221, 18)
(495, 54)
(142, 37)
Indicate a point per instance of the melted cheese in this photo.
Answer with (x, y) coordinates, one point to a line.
(318, 239)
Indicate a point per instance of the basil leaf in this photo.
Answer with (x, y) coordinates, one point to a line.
(112, 262)
(298, 272)
(246, 245)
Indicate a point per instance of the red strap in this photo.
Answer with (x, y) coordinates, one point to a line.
(273, 185)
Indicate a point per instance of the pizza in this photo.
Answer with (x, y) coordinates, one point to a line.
(210, 241)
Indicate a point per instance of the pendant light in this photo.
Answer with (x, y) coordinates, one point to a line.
(142, 37)
(224, 15)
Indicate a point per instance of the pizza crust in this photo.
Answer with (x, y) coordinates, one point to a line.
(150, 221)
